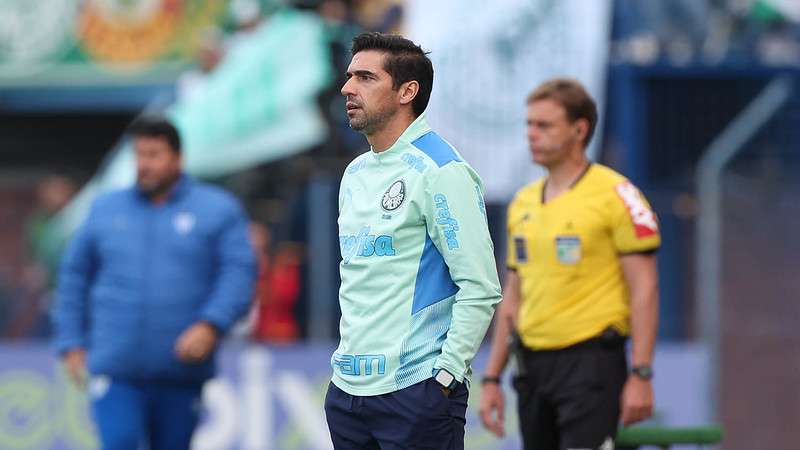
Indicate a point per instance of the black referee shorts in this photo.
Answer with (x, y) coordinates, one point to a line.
(570, 398)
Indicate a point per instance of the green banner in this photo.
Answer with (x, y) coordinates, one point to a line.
(259, 105)
(80, 41)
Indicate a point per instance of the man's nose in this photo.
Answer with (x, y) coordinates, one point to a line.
(347, 89)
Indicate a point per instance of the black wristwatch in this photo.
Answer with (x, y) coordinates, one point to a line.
(445, 379)
(643, 372)
(490, 380)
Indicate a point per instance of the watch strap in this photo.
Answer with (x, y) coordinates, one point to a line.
(490, 380)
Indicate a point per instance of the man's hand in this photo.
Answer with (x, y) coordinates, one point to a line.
(493, 402)
(637, 400)
(75, 363)
(196, 343)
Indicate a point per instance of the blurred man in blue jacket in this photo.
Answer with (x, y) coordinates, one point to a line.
(151, 281)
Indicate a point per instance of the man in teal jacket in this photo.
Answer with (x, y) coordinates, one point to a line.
(152, 279)
(419, 281)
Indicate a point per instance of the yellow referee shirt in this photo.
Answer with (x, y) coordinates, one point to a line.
(566, 253)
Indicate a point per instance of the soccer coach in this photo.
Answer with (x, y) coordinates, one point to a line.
(419, 282)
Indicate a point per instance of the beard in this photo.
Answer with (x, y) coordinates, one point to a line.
(370, 123)
(155, 188)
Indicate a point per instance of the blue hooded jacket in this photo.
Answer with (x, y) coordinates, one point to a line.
(136, 275)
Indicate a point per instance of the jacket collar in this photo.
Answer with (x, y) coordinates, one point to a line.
(179, 190)
(417, 128)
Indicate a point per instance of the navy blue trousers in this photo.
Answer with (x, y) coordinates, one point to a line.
(419, 417)
(159, 415)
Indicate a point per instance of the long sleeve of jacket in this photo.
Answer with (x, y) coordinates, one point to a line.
(236, 274)
(456, 223)
(71, 308)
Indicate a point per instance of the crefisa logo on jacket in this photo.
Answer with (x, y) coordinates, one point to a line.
(394, 196)
(365, 244)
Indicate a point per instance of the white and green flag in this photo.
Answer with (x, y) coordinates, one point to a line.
(487, 57)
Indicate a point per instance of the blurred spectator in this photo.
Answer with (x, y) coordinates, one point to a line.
(776, 23)
(209, 55)
(26, 316)
(247, 16)
(277, 289)
(341, 27)
(682, 32)
(7, 303)
(384, 16)
(43, 245)
(654, 29)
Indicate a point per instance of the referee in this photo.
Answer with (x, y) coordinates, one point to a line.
(582, 278)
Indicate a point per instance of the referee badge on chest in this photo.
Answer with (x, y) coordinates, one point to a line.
(568, 249)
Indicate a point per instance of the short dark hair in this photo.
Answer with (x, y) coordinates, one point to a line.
(405, 61)
(572, 96)
(156, 126)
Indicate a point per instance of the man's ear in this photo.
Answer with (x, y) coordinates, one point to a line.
(581, 129)
(408, 91)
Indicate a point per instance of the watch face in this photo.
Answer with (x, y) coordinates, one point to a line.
(643, 372)
(444, 378)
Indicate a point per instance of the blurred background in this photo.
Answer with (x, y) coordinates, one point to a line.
(700, 107)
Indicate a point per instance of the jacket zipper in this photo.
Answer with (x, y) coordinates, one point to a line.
(146, 256)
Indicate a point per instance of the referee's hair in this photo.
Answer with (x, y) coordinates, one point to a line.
(156, 126)
(405, 61)
(572, 96)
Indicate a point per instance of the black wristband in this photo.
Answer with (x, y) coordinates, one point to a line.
(644, 372)
(490, 380)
